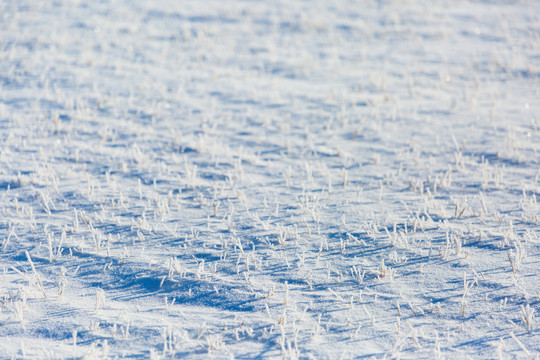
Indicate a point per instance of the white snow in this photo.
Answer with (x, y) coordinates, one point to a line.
(296, 179)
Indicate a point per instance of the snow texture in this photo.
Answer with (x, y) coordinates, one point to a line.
(243, 179)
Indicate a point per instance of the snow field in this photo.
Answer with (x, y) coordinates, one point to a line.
(232, 179)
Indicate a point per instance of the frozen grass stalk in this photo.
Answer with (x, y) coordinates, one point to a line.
(40, 285)
(527, 317)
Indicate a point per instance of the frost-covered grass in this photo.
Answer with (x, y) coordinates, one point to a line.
(307, 179)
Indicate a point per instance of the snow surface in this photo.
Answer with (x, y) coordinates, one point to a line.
(297, 179)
